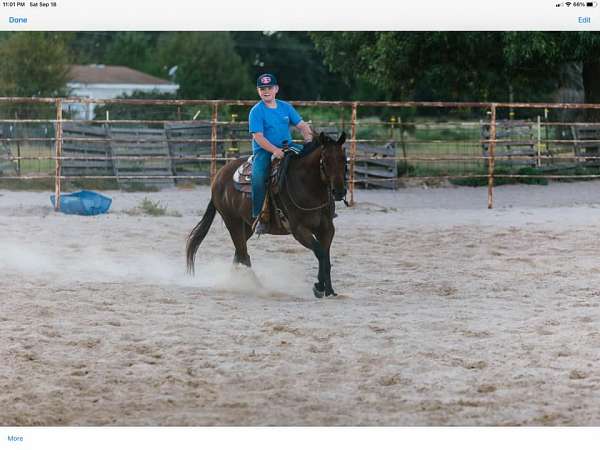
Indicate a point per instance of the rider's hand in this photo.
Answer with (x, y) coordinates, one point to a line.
(278, 153)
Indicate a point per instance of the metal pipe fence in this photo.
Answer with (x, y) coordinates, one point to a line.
(426, 140)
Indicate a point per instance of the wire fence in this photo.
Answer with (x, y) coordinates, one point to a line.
(161, 142)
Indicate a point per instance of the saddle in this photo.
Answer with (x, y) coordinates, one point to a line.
(242, 181)
(242, 177)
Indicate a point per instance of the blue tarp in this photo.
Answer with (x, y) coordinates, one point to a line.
(85, 203)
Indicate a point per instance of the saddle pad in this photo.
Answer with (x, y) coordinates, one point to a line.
(243, 174)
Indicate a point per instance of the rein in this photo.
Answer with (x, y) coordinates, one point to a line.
(287, 188)
(323, 175)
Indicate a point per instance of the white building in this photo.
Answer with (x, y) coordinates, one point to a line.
(98, 81)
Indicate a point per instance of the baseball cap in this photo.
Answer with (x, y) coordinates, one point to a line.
(266, 79)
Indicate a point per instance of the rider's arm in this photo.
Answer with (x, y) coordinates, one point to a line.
(305, 130)
(264, 143)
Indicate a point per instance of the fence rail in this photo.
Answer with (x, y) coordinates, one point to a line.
(192, 149)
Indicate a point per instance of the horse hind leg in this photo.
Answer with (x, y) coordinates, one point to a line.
(240, 232)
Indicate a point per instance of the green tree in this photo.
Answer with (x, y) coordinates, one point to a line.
(437, 65)
(89, 47)
(34, 64)
(550, 50)
(136, 50)
(293, 58)
(122, 111)
(205, 65)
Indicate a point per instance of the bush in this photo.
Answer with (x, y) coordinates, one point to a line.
(150, 208)
(500, 180)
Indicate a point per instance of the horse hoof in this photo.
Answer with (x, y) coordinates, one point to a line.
(330, 294)
(317, 292)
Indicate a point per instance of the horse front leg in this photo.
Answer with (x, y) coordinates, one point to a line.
(320, 287)
(327, 276)
(306, 238)
(325, 237)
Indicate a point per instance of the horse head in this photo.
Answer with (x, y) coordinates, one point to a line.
(333, 164)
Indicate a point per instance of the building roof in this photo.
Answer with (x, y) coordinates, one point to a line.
(102, 74)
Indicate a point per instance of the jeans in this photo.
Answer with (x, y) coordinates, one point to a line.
(261, 166)
(261, 169)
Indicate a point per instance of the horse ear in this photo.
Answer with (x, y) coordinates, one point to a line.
(342, 138)
(322, 138)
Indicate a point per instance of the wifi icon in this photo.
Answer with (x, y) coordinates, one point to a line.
(568, 3)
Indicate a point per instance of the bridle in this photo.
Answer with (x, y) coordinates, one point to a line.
(324, 175)
(325, 178)
(289, 193)
(323, 169)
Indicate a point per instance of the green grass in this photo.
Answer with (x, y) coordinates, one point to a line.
(429, 138)
(439, 141)
(137, 186)
(30, 166)
(580, 171)
(91, 185)
(27, 185)
(411, 170)
(150, 208)
(500, 180)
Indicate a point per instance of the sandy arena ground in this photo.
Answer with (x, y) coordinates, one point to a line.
(449, 314)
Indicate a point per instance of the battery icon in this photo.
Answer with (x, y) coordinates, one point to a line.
(591, 4)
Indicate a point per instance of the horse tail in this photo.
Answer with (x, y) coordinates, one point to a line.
(198, 234)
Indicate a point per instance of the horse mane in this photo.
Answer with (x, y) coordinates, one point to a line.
(315, 143)
(316, 134)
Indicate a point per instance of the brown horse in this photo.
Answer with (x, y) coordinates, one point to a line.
(304, 199)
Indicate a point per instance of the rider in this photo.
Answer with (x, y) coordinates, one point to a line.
(269, 124)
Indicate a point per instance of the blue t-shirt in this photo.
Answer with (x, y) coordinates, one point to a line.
(273, 123)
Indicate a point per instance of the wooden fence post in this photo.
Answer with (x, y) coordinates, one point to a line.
(213, 142)
(491, 156)
(16, 135)
(539, 142)
(233, 149)
(58, 154)
(352, 151)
